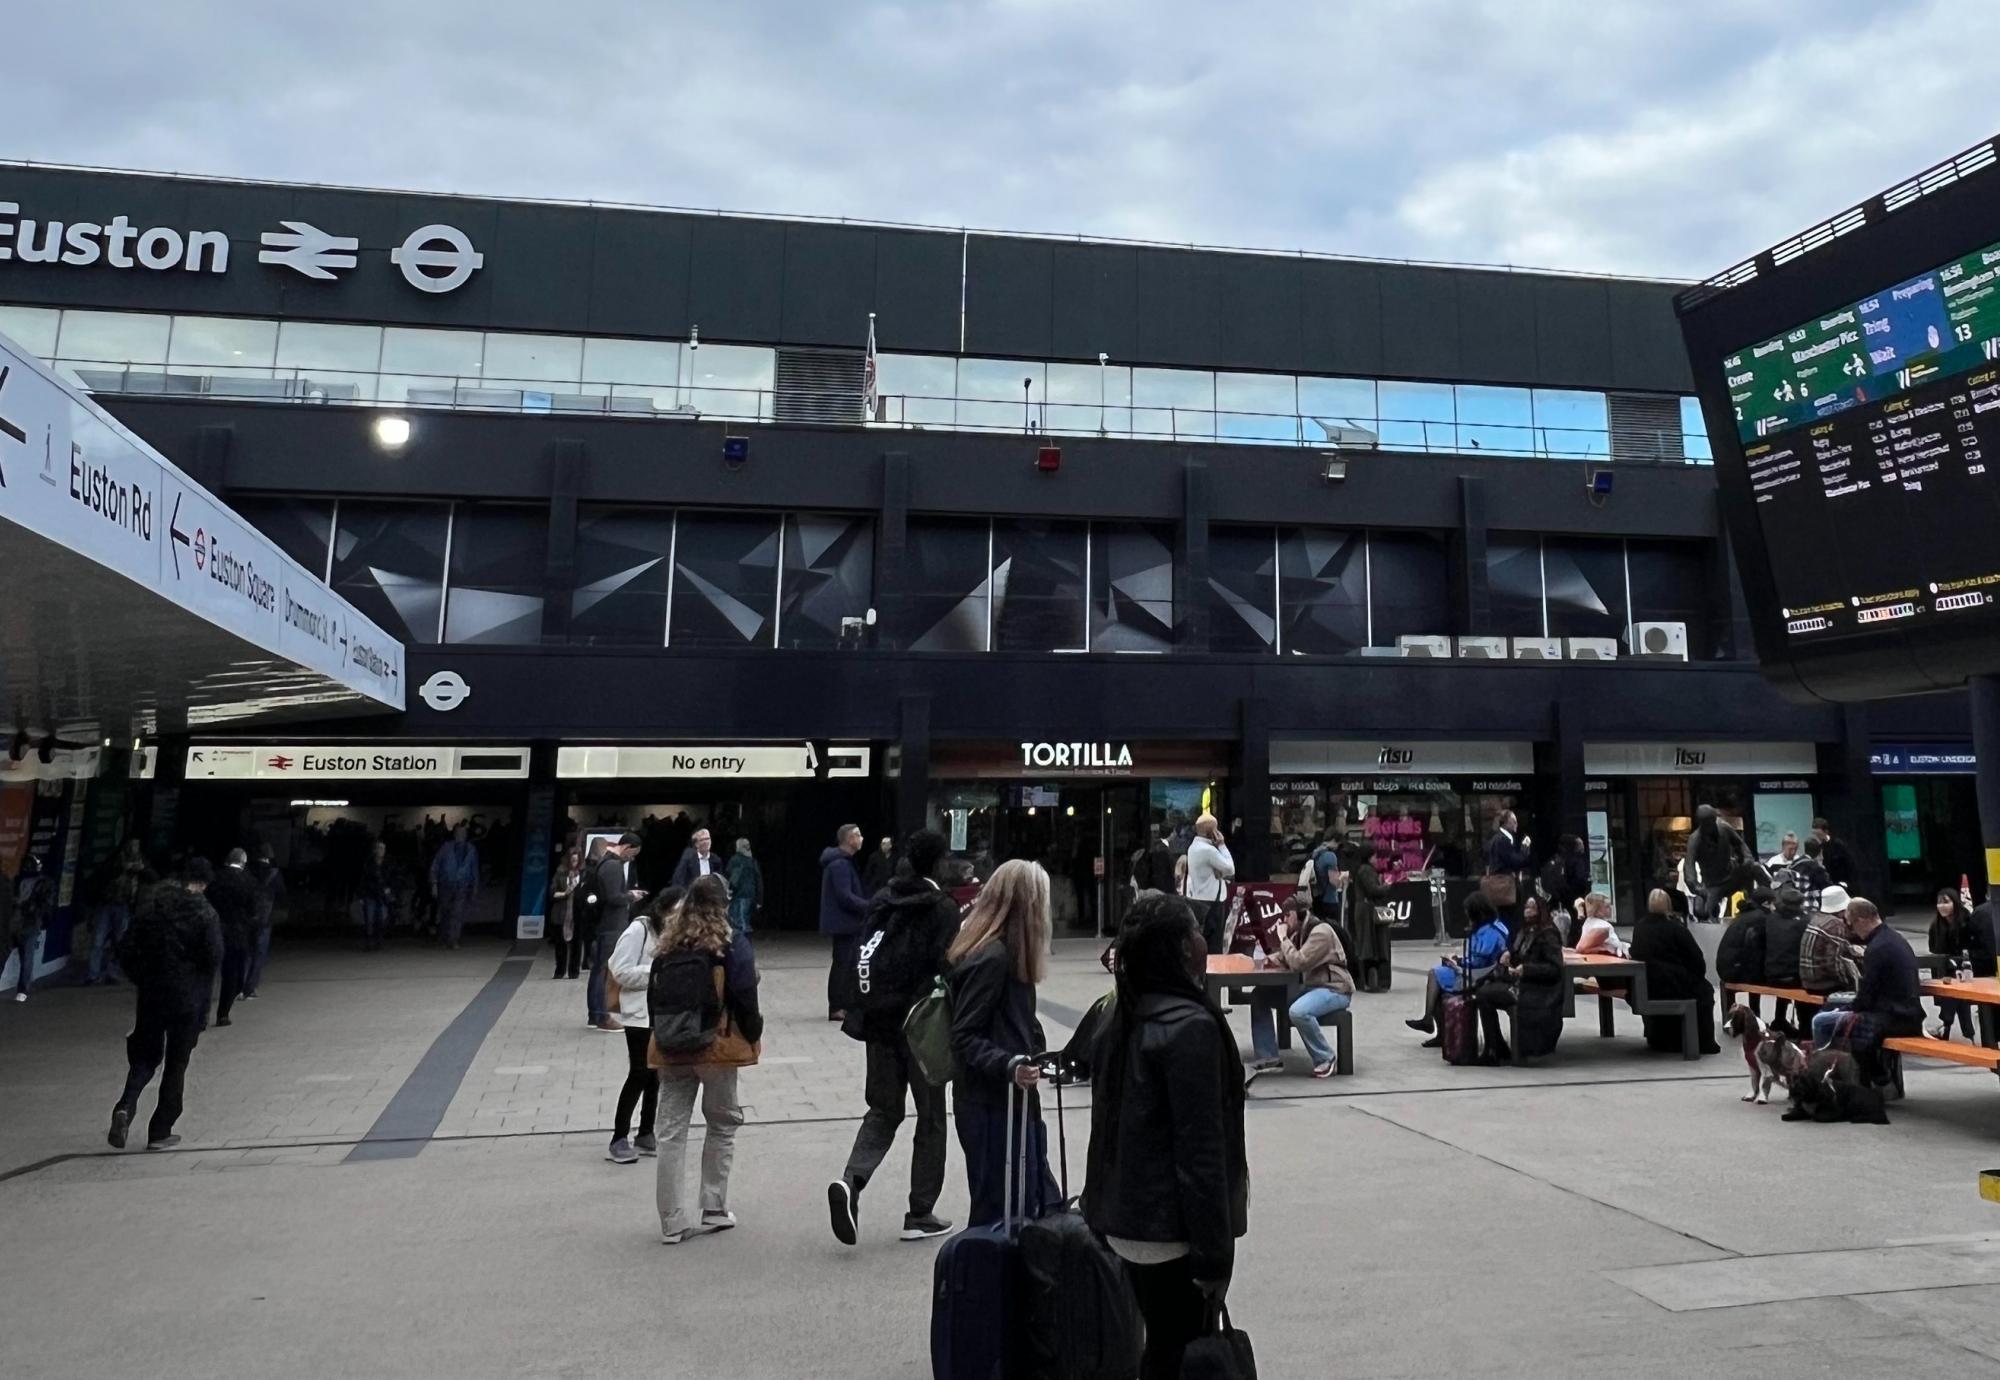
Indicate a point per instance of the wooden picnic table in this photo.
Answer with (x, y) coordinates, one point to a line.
(1234, 975)
(1982, 992)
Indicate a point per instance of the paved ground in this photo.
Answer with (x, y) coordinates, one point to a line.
(1611, 1211)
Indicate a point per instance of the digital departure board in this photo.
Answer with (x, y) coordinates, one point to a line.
(1853, 397)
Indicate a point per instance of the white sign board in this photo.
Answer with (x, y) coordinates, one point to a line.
(72, 474)
(1423, 757)
(706, 760)
(353, 761)
(1693, 758)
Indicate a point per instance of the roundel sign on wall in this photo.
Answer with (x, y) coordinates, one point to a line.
(444, 691)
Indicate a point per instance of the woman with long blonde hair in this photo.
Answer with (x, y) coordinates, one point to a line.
(995, 962)
(698, 929)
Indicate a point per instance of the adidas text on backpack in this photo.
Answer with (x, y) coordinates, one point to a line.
(682, 1003)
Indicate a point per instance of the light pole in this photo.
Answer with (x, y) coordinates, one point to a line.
(1027, 405)
(1102, 360)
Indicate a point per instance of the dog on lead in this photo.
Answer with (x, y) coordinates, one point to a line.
(1772, 1051)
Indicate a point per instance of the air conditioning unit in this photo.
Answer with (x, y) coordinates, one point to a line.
(1591, 648)
(1483, 648)
(1538, 649)
(1425, 644)
(1666, 641)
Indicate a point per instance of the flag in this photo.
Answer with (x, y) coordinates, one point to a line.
(869, 397)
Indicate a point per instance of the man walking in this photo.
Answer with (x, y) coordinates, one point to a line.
(910, 924)
(233, 896)
(615, 898)
(1209, 870)
(118, 888)
(697, 861)
(270, 884)
(455, 879)
(842, 904)
(1837, 856)
(170, 954)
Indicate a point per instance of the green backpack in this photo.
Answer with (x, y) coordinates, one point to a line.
(927, 1029)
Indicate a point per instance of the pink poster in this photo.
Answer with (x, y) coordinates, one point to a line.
(17, 807)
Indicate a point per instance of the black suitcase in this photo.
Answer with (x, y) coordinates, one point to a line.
(978, 1283)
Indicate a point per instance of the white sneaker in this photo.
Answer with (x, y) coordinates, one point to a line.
(717, 1221)
(20, 996)
(1938, 1030)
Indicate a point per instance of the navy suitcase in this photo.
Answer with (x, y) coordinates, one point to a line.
(978, 1283)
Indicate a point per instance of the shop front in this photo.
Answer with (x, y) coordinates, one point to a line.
(321, 806)
(1930, 820)
(785, 799)
(1640, 800)
(1424, 809)
(1084, 810)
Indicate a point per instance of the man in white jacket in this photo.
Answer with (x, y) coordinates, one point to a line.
(1210, 869)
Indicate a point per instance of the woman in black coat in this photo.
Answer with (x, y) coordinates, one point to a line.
(1739, 955)
(1168, 1184)
(1369, 957)
(1954, 931)
(1675, 969)
(1529, 979)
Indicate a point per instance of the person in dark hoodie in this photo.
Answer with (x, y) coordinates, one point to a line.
(270, 884)
(170, 954)
(1784, 931)
(1739, 954)
(234, 896)
(911, 922)
(1168, 1183)
(842, 907)
(1715, 852)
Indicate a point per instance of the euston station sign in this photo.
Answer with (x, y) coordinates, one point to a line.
(353, 761)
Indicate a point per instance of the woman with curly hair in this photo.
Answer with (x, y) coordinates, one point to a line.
(699, 927)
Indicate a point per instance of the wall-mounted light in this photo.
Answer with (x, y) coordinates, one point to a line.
(1597, 484)
(1332, 466)
(392, 433)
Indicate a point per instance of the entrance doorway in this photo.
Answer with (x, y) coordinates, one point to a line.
(1084, 836)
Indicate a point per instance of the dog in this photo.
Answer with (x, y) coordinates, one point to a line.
(1831, 1088)
(1772, 1051)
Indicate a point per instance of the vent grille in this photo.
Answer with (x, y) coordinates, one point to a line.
(1645, 426)
(819, 386)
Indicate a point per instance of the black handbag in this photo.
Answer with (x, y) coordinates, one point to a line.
(1220, 1353)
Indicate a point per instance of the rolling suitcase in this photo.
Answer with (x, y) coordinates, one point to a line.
(1458, 1021)
(977, 1284)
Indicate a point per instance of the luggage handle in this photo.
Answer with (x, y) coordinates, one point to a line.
(1015, 1179)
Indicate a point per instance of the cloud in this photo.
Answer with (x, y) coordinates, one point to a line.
(1639, 137)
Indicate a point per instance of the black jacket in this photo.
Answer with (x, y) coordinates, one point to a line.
(688, 870)
(1839, 861)
(1538, 998)
(1889, 983)
(1784, 931)
(1167, 1160)
(172, 950)
(614, 900)
(881, 870)
(1716, 855)
(933, 916)
(234, 897)
(1155, 871)
(1739, 954)
(1504, 854)
(1980, 944)
(992, 1022)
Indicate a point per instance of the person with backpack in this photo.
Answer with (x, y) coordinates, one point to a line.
(34, 895)
(995, 963)
(1328, 878)
(701, 1002)
(631, 968)
(1362, 909)
(911, 922)
(1168, 1178)
(842, 904)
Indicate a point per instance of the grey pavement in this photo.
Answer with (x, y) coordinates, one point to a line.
(1611, 1212)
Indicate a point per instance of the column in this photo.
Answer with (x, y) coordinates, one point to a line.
(1984, 693)
(1191, 557)
(1250, 792)
(914, 782)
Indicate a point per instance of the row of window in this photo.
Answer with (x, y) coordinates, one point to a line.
(475, 573)
(414, 366)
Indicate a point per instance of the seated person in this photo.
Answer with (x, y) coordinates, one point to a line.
(1676, 970)
(1599, 935)
(1309, 946)
(1888, 1001)
(1827, 954)
(1486, 941)
(1528, 978)
(1739, 954)
(1784, 936)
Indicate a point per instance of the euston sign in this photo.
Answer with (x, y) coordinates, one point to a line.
(432, 258)
(353, 761)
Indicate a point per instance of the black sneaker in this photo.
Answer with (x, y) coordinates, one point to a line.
(919, 1228)
(121, 1122)
(844, 1206)
(221, 1021)
(163, 1143)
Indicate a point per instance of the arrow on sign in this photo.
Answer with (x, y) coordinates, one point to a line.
(7, 428)
(173, 530)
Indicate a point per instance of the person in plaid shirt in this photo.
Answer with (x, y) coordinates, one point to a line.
(1826, 954)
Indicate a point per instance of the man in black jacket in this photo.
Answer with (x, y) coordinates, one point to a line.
(1839, 859)
(1715, 851)
(1888, 1003)
(170, 953)
(615, 898)
(910, 924)
(234, 897)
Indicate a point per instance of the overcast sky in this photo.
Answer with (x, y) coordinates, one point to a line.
(1668, 137)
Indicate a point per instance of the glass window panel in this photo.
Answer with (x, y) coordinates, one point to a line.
(1322, 591)
(1038, 590)
(1417, 402)
(1570, 422)
(1409, 435)
(419, 390)
(1257, 407)
(631, 361)
(996, 416)
(999, 380)
(32, 328)
(1408, 586)
(308, 345)
(407, 350)
(1131, 588)
(1343, 402)
(1585, 584)
(945, 574)
(1496, 440)
(545, 358)
(1090, 384)
(731, 380)
(222, 340)
(1082, 419)
(1497, 420)
(1514, 584)
(1260, 428)
(388, 561)
(829, 575)
(1242, 589)
(298, 525)
(620, 593)
(114, 337)
(1181, 403)
(1694, 433)
(725, 579)
(1670, 585)
(332, 386)
(917, 390)
(499, 562)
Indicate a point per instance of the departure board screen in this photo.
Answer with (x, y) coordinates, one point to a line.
(1869, 436)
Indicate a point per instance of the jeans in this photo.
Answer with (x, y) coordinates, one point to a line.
(740, 910)
(1174, 1313)
(374, 921)
(891, 1072)
(982, 1135)
(234, 960)
(723, 1113)
(453, 904)
(642, 1086)
(1304, 1014)
(1214, 916)
(112, 921)
(259, 954)
(25, 944)
(594, 995)
(160, 1042)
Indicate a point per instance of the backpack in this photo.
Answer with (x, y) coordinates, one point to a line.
(927, 1031)
(682, 1003)
(1309, 876)
(887, 965)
